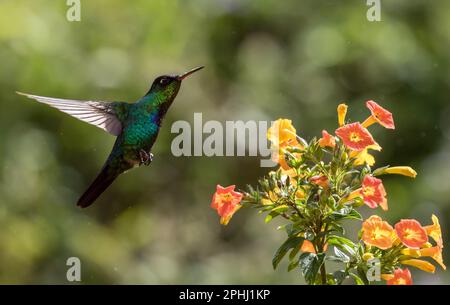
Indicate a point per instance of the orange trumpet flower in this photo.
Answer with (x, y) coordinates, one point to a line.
(434, 231)
(226, 201)
(400, 277)
(379, 115)
(355, 136)
(327, 140)
(377, 232)
(411, 233)
(373, 192)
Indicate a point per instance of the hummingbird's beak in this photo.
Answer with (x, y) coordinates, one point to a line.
(186, 74)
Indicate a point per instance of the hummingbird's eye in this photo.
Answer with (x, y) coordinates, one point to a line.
(164, 81)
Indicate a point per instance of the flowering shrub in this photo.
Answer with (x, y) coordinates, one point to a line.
(322, 183)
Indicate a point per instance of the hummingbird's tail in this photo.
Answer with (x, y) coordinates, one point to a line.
(100, 184)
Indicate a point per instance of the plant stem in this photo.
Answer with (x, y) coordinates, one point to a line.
(321, 249)
(323, 274)
(323, 271)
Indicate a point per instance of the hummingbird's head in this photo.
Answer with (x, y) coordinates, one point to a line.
(168, 85)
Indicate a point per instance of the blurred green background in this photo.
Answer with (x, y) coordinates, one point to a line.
(264, 60)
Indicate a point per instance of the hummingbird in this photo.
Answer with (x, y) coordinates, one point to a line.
(136, 126)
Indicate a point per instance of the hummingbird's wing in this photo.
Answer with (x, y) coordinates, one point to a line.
(100, 114)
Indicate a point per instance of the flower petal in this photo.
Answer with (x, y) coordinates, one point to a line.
(355, 136)
(380, 115)
(377, 233)
(411, 233)
(400, 277)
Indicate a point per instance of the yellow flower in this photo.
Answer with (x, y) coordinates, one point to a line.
(435, 253)
(387, 277)
(273, 194)
(411, 252)
(300, 194)
(427, 250)
(401, 170)
(367, 256)
(354, 194)
(342, 112)
(292, 173)
(434, 231)
(282, 133)
(363, 157)
(266, 201)
(427, 245)
(279, 157)
(420, 264)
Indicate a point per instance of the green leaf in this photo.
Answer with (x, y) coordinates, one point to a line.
(354, 214)
(357, 202)
(310, 264)
(336, 227)
(342, 243)
(290, 243)
(357, 279)
(292, 265)
(336, 259)
(288, 228)
(281, 208)
(270, 216)
(276, 212)
(340, 276)
(294, 253)
(339, 256)
(362, 275)
(379, 171)
(347, 212)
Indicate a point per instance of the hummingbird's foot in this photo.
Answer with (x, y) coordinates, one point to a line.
(146, 158)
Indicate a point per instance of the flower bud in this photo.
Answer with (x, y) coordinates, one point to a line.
(367, 256)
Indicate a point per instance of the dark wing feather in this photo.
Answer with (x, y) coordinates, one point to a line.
(100, 114)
